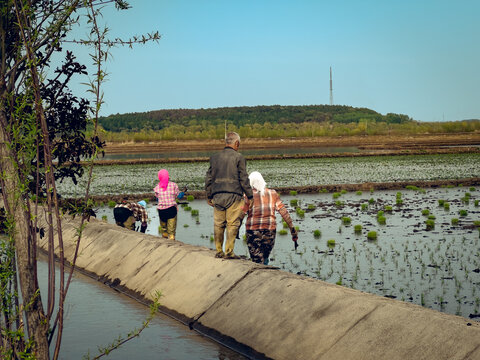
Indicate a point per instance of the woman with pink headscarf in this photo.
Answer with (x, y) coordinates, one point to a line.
(166, 193)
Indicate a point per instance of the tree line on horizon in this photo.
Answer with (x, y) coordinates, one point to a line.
(274, 121)
(246, 115)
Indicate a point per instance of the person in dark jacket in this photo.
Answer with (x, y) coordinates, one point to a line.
(225, 184)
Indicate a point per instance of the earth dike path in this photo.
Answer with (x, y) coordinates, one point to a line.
(263, 312)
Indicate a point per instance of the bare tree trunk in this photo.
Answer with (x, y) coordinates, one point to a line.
(36, 321)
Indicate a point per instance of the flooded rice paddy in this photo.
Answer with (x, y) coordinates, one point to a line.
(426, 252)
(136, 179)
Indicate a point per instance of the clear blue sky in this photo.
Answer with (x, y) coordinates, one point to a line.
(416, 57)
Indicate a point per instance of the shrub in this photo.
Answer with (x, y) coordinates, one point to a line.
(446, 205)
(372, 235)
(463, 213)
(293, 193)
(388, 208)
(476, 203)
(300, 212)
(471, 188)
(343, 191)
(294, 202)
(336, 195)
(380, 213)
(431, 217)
(111, 204)
(454, 221)
(331, 243)
(323, 191)
(346, 220)
(371, 200)
(104, 218)
(441, 202)
(317, 233)
(190, 198)
(185, 225)
(187, 208)
(194, 212)
(411, 187)
(399, 195)
(339, 203)
(357, 228)
(311, 207)
(285, 225)
(382, 220)
(430, 224)
(425, 212)
(364, 207)
(359, 192)
(283, 232)
(399, 201)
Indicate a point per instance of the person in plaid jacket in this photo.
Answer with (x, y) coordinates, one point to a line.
(166, 193)
(127, 213)
(261, 222)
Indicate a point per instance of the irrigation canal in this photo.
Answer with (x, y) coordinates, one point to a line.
(96, 315)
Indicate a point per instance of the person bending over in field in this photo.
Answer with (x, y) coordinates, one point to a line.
(127, 213)
(261, 222)
(166, 193)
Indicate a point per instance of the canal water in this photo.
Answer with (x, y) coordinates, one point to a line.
(96, 315)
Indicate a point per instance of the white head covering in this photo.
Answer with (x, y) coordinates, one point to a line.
(257, 182)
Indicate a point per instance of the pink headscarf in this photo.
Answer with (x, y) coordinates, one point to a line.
(163, 179)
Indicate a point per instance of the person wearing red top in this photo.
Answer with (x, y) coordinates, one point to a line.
(261, 222)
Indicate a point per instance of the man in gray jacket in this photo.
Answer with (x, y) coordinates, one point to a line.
(225, 183)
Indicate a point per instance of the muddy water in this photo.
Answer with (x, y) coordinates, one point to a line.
(246, 152)
(438, 268)
(96, 315)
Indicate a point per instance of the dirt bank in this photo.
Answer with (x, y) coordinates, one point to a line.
(378, 152)
(383, 142)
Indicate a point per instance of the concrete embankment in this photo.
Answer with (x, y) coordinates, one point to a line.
(266, 312)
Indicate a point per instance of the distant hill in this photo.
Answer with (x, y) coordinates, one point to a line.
(246, 115)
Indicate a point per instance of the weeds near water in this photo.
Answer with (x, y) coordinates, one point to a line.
(372, 235)
(317, 233)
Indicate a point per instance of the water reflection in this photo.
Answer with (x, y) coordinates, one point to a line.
(247, 152)
(95, 315)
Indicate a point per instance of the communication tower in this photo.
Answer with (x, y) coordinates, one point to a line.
(331, 87)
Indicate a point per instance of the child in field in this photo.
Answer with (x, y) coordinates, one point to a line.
(166, 193)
